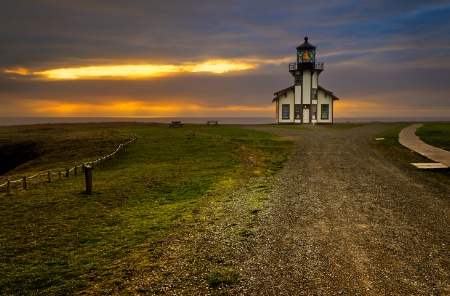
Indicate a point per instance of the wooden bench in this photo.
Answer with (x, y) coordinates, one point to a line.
(176, 124)
(212, 122)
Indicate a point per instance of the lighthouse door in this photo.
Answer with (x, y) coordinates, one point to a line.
(306, 115)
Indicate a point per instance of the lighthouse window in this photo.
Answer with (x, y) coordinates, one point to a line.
(297, 112)
(285, 111)
(324, 111)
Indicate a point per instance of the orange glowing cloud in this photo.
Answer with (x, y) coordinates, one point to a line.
(121, 108)
(250, 108)
(135, 71)
(129, 71)
(357, 107)
(20, 71)
(386, 105)
(218, 66)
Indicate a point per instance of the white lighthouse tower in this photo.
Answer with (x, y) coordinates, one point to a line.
(305, 102)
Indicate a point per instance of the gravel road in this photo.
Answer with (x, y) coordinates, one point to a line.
(343, 220)
(339, 219)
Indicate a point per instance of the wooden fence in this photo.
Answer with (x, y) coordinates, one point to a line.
(47, 176)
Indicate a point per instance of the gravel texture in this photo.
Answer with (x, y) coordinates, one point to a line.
(343, 220)
(338, 219)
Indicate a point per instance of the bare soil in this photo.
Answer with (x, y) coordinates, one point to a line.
(338, 219)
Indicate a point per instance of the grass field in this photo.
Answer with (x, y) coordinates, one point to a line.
(57, 240)
(436, 134)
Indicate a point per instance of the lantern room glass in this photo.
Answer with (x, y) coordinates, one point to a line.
(306, 56)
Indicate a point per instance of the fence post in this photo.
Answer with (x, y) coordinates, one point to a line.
(88, 175)
(59, 173)
(82, 167)
(8, 186)
(67, 172)
(38, 179)
(24, 182)
(75, 169)
(49, 177)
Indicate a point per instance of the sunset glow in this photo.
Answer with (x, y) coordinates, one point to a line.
(20, 71)
(155, 58)
(135, 71)
(120, 108)
(130, 71)
(218, 66)
(123, 108)
(251, 108)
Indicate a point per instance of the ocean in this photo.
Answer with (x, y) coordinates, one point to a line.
(8, 121)
(222, 120)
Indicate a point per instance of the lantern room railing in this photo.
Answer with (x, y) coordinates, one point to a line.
(317, 66)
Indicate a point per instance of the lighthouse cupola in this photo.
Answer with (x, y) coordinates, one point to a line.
(306, 55)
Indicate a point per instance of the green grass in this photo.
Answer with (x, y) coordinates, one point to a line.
(57, 240)
(28, 149)
(402, 156)
(436, 134)
(222, 277)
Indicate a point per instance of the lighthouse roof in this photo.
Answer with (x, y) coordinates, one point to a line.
(306, 45)
(278, 94)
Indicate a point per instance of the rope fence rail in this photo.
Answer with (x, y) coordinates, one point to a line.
(67, 171)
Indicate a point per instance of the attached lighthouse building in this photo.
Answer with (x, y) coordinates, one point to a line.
(306, 101)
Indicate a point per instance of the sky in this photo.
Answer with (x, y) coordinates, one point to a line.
(151, 58)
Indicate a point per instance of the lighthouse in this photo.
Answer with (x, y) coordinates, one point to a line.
(305, 102)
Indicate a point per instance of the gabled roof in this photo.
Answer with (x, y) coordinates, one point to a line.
(328, 93)
(282, 92)
(292, 88)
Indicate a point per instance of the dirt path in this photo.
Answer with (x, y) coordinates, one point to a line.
(343, 220)
(339, 219)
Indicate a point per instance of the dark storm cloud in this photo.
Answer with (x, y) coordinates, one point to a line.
(369, 47)
(51, 31)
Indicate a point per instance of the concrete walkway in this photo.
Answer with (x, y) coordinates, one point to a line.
(409, 139)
